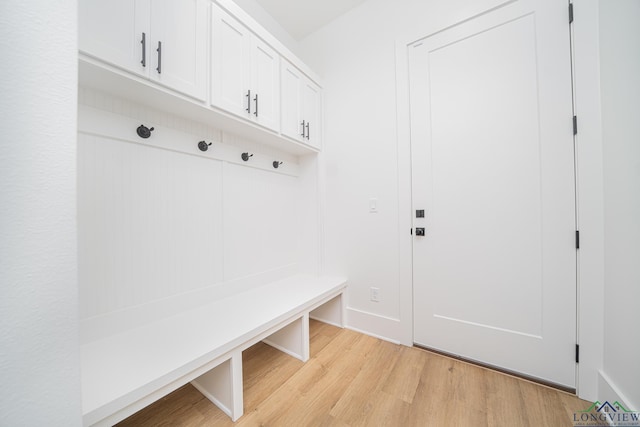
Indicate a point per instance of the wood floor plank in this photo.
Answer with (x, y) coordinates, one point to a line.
(355, 403)
(404, 378)
(356, 380)
(265, 372)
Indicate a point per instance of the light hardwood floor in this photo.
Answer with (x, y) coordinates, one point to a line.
(356, 380)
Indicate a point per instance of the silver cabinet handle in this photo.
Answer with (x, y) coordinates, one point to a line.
(159, 50)
(256, 99)
(307, 130)
(303, 128)
(248, 95)
(144, 50)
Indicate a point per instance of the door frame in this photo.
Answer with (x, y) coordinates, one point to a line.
(589, 192)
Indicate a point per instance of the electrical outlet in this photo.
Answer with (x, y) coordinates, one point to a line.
(375, 294)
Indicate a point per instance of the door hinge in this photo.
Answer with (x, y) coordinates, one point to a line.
(577, 239)
(570, 13)
(575, 125)
(577, 353)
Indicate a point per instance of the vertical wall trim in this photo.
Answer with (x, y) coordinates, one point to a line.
(590, 196)
(405, 240)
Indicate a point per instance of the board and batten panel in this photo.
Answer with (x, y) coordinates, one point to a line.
(158, 235)
(149, 224)
(261, 221)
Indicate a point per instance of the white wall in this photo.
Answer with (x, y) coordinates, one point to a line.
(620, 93)
(355, 55)
(39, 360)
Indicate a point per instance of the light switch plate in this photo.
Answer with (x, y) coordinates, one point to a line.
(373, 205)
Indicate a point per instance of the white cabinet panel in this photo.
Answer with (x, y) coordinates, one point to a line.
(265, 81)
(179, 45)
(229, 63)
(301, 106)
(311, 110)
(245, 72)
(116, 31)
(290, 97)
(164, 40)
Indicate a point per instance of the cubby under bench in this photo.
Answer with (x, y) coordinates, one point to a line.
(127, 371)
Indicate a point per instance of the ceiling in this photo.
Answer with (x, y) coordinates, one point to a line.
(302, 17)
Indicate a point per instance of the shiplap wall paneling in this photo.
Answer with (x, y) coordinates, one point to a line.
(150, 224)
(260, 211)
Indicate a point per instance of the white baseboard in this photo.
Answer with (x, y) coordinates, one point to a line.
(385, 328)
(608, 390)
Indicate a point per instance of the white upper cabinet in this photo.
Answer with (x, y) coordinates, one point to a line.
(265, 82)
(229, 67)
(116, 31)
(164, 40)
(301, 106)
(179, 45)
(231, 47)
(244, 72)
(311, 113)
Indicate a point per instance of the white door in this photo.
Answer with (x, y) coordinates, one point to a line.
(179, 45)
(117, 32)
(231, 49)
(265, 84)
(493, 168)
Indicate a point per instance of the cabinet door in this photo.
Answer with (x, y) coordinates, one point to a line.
(179, 45)
(290, 97)
(230, 64)
(311, 113)
(113, 31)
(265, 84)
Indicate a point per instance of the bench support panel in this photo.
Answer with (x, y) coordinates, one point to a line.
(292, 339)
(331, 312)
(222, 385)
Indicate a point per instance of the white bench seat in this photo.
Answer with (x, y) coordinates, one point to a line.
(125, 372)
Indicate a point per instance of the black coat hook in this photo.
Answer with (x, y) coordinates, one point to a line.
(203, 146)
(245, 156)
(276, 164)
(144, 132)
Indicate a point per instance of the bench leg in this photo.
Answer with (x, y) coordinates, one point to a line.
(236, 375)
(331, 312)
(292, 339)
(222, 385)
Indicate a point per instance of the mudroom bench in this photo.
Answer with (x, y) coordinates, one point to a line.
(124, 372)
